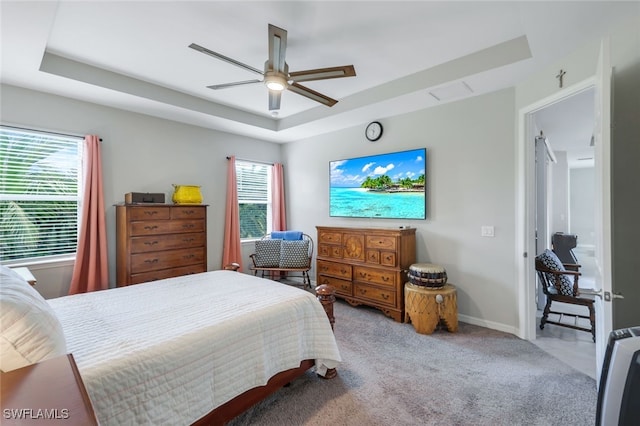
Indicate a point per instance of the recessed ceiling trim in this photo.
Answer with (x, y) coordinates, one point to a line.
(496, 56)
(78, 71)
(502, 54)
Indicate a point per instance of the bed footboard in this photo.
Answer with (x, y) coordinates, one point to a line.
(327, 297)
(243, 402)
(226, 412)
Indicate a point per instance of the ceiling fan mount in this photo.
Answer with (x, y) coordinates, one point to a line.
(277, 81)
(276, 75)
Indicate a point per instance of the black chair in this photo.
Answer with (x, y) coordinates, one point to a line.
(562, 245)
(555, 290)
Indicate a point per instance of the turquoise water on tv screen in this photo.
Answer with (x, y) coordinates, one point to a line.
(359, 202)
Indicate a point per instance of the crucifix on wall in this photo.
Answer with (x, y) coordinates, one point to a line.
(560, 77)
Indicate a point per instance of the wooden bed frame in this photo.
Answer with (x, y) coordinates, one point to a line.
(241, 403)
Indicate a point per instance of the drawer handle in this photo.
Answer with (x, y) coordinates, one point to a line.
(388, 258)
(188, 225)
(385, 279)
(151, 227)
(385, 296)
(150, 243)
(150, 212)
(151, 261)
(324, 269)
(188, 256)
(363, 291)
(325, 281)
(188, 211)
(187, 240)
(345, 287)
(343, 271)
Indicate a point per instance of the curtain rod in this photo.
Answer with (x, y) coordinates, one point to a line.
(46, 131)
(252, 161)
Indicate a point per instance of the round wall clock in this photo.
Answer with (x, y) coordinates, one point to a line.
(373, 131)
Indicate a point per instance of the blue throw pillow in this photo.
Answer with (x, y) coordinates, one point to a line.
(267, 253)
(286, 235)
(564, 283)
(294, 254)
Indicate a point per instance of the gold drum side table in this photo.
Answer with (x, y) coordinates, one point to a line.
(425, 307)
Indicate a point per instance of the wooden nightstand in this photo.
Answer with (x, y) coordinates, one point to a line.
(49, 392)
(26, 274)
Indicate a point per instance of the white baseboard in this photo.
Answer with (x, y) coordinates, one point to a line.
(488, 324)
(476, 321)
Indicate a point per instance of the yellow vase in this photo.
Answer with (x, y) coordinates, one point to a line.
(186, 194)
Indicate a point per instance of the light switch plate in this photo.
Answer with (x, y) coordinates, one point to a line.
(487, 231)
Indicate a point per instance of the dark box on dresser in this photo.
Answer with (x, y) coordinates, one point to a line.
(143, 197)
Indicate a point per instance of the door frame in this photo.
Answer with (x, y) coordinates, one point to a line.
(525, 206)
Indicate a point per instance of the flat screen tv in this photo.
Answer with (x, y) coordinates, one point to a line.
(389, 186)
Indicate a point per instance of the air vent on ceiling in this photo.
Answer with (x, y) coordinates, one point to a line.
(455, 90)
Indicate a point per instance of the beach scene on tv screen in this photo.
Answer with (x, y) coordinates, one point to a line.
(388, 186)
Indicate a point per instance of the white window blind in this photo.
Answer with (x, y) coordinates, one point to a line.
(40, 193)
(254, 198)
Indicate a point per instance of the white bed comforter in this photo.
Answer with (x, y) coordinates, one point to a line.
(170, 351)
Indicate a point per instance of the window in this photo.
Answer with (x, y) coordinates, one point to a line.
(40, 193)
(254, 199)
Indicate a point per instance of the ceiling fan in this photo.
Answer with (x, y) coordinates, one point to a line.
(276, 75)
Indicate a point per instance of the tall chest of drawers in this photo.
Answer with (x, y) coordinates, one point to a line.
(367, 266)
(159, 241)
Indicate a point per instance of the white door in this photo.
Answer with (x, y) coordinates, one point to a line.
(526, 218)
(542, 158)
(602, 145)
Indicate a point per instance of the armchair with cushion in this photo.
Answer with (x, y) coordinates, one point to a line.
(560, 284)
(283, 254)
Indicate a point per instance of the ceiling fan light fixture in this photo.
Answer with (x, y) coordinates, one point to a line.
(275, 82)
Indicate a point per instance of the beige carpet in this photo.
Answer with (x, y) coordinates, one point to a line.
(391, 375)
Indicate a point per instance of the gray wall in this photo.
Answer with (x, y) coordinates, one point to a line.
(582, 196)
(139, 153)
(625, 176)
(470, 183)
(559, 217)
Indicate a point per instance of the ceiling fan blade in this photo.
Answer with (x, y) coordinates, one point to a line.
(235, 83)
(224, 58)
(277, 49)
(274, 100)
(323, 73)
(312, 94)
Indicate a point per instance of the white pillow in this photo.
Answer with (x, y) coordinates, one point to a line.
(29, 329)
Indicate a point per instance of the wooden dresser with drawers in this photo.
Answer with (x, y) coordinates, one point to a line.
(367, 266)
(156, 241)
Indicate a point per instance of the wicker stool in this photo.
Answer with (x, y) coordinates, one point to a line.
(425, 307)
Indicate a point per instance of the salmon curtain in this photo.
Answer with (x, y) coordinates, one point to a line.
(90, 270)
(231, 251)
(277, 202)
